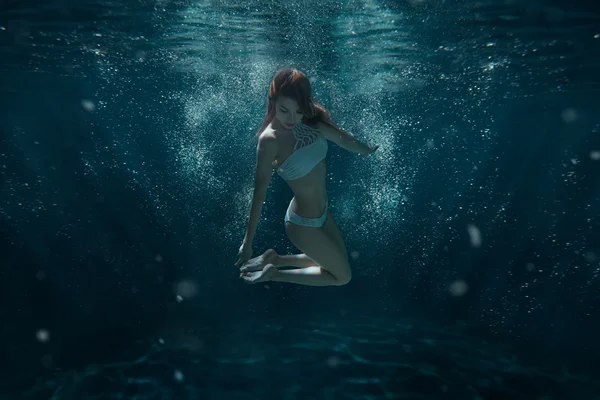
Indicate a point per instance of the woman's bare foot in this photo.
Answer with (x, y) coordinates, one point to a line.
(259, 263)
(264, 275)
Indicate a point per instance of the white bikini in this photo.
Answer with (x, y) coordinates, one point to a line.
(310, 149)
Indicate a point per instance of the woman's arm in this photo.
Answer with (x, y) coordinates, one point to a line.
(343, 139)
(266, 151)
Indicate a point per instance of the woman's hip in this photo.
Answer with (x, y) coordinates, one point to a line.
(298, 219)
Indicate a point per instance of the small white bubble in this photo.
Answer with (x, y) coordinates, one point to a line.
(475, 235)
(179, 298)
(43, 335)
(354, 254)
(178, 375)
(459, 288)
(569, 115)
(430, 144)
(161, 340)
(597, 35)
(88, 105)
(158, 258)
(595, 155)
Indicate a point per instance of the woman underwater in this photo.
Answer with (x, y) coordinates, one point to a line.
(293, 139)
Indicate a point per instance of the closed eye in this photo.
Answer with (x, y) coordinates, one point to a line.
(284, 111)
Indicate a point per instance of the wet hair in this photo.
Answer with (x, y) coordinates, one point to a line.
(289, 82)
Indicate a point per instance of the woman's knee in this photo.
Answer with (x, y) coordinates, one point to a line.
(340, 269)
(344, 278)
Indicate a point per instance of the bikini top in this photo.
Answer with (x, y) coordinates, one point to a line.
(310, 148)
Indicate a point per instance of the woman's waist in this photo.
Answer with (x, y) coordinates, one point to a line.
(309, 206)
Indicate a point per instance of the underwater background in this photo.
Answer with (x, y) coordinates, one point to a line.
(127, 154)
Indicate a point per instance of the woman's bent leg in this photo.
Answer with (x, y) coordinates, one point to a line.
(318, 245)
(324, 262)
(311, 276)
(271, 257)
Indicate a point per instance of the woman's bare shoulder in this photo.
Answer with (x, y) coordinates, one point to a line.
(271, 134)
(268, 131)
(268, 138)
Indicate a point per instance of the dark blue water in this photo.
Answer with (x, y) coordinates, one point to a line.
(127, 156)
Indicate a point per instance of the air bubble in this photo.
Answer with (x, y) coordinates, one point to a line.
(475, 235)
(459, 288)
(186, 289)
(42, 335)
(530, 266)
(569, 115)
(88, 105)
(178, 375)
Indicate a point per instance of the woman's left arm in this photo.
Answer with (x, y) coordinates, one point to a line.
(344, 139)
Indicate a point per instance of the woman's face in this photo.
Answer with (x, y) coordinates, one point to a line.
(287, 112)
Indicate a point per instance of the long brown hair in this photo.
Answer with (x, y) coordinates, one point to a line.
(294, 84)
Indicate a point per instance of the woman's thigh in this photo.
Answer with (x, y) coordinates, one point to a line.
(322, 246)
(331, 228)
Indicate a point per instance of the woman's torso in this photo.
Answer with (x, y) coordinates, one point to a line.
(310, 192)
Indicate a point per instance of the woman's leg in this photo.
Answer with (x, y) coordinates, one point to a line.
(323, 246)
(292, 260)
(271, 257)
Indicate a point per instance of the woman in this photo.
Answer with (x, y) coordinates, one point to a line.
(293, 139)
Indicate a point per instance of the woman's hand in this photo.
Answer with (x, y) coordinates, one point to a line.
(244, 254)
(371, 149)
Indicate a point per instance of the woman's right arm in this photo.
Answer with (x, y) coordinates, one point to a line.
(266, 151)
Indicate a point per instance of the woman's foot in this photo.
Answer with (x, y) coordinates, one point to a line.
(260, 262)
(264, 275)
